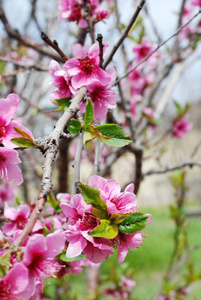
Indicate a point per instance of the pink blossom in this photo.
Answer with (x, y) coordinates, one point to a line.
(117, 201)
(60, 80)
(79, 50)
(102, 97)
(85, 70)
(143, 49)
(40, 253)
(100, 13)
(14, 285)
(63, 197)
(8, 107)
(9, 171)
(6, 193)
(71, 10)
(128, 283)
(196, 3)
(76, 210)
(127, 241)
(17, 218)
(181, 127)
(82, 243)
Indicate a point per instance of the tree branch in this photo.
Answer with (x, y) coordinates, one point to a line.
(23, 39)
(158, 47)
(189, 163)
(124, 35)
(50, 156)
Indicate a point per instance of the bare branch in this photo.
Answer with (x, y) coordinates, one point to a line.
(76, 181)
(124, 35)
(20, 64)
(188, 163)
(158, 47)
(54, 44)
(23, 39)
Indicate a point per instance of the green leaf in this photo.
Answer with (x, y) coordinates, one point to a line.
(63, 257)
(45, 230)
(74, 126)
(22, 133)
(92, 196)
(5, 263)
(63, 103)
(134, 223)
(88, 136)
(118, 218)
(178, 107)
(23, 142)
(88, 117)
(105, 230)
(52, 200)
(117, 137)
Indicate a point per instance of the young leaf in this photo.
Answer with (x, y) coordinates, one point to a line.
(105, 230)
(74, 126)
(88, 136)
(22, 133)
(88, 117)
(134, 223)
(63, 103)
(63, 257)
(92, 196)
(114, 135)
(23, 142)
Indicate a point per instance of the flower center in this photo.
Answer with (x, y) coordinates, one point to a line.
(2, 158)
(86, 65)
(2, 132)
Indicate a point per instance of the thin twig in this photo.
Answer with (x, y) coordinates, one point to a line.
(124, 35)
(23, 39)
(20, 64)
(78, 155)
(188, 163)
(158, 47)
(100, 41)
(54, 44)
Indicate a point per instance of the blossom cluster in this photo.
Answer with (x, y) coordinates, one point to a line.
(83, 70)
(87, 233)
(9, 158)
(94, 236)
(82, 12)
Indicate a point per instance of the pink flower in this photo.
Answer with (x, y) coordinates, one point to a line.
(71, 10)
(14, 285)
(76, 211)
(6, 193)
(82, 243)
(117, 201)
(196, 2)
(102, 97)
(128, 283)
(60, 80)
(40, 253)
(17, 218)
(142, 50)
(9, 171)
(126, 241)
(181, 127)
(8, 108)
(85, 70)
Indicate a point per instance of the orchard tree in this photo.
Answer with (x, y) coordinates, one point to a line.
(97, 110)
